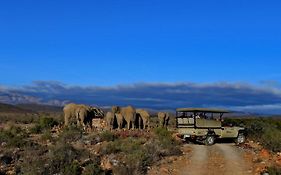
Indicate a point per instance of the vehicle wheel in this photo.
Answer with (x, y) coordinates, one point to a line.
(240, 138)
(210, 140)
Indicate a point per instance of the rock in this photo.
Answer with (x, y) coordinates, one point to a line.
(17, 150)
(107, 162)
(11, 172)
(264, 154)
(164, 170)
(278, 161)
(6, 160)
(4, 144)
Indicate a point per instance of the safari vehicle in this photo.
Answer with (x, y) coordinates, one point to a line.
(205, 126)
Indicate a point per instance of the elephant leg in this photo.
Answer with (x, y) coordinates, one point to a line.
(66, 121)
(144, 124)
(139, 123)
(133, 125)
(120, 125)
(128, 124)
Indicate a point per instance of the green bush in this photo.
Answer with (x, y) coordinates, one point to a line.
(274, 170)
(46, 135)
(107, 136)
(265, 130)
(139, 153)
(167, 143)
(43, 124)
(93, 168)
(62, 159)
(14, 137)
(271, 139)
(36, 129)
(70, 134)
(73, 168)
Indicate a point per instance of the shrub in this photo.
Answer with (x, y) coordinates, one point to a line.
(274, 170)
(46, 135)
(265, 130)
(33, 161)
(271, 139)
(62, 159)
(36, 129)
(107, 136)
(70, 134)
(43, 124)
(167, 143)
(93, 168)
(73, 168)
(14, 137)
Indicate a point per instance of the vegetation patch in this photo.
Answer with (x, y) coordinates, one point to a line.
(265, 130)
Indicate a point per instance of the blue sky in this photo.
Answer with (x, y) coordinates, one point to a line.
(152, 54)
(122, 42)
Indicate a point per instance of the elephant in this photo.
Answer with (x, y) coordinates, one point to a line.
(69, 111)
(119, 118)
(143, 118)
(163, 118)
(81, 114)
(109, 118)
(127, 113)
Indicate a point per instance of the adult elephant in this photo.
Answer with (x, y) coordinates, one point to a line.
(85, 115)
(163, 118)
(127, 113)
(119, 117)
(69, 111)
(143, 118)
(80, 114)
(109, 118)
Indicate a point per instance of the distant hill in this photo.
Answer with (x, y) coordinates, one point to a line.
(40, 107)
(7, 108)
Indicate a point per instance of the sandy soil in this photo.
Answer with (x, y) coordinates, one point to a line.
(222, 158)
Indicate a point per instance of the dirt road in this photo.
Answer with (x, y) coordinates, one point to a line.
(221, 158)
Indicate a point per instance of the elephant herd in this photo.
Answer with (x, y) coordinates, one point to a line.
(117, 118)
(129, 116)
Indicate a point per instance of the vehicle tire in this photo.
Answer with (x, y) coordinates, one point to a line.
(210, 140)
(240, 139)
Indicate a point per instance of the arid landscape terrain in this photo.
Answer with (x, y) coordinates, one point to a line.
(35, 141)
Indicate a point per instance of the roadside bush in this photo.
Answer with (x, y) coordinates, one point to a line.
(271, 139)
(267, 131)
(169, 146)
(274, 170)
(136, 154)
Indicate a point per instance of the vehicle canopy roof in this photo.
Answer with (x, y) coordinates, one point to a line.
(206, 110)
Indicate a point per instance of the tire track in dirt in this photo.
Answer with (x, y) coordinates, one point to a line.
(221, 158)
(234, 160)
(217, 159)
(198, 161)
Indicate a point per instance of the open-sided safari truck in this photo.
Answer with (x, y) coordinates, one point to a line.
(205, 125)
